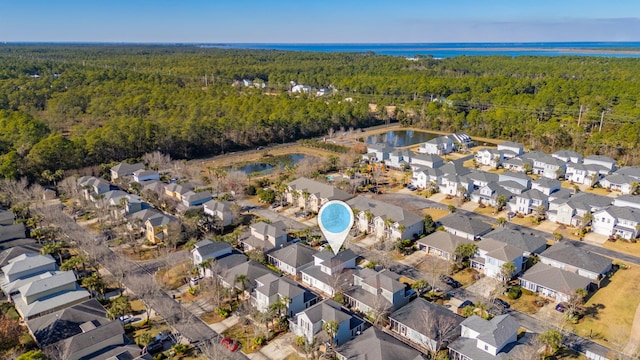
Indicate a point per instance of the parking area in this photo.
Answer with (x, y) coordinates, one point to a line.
(483, 287)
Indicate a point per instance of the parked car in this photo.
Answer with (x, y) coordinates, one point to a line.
(230, 344)
(501, 303)
(153, 347)
(163, 336)
(561, 307)
(260, 148)
(464, 305)
(125, 319)
(450, 281)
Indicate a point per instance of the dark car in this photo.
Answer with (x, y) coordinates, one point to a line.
(153, 347)
(230, 344)
(561, 307)
(450, 281)
(501, 303)
(464, 305)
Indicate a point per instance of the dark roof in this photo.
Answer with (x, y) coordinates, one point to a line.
(91, 338)
(275, 229)
(384, 210)
(555, 279)
(567, 253)
(444, 241)
(251, 269)
(464, 223)
(13, 252)
(374, 344)
(60, 325)
(527, 242)
(412, 316)
(295, 255)
(320, 190)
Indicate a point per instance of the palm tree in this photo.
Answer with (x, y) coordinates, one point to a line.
(243, 280)
(331, 329)
(586, 220)
(420, 285)
(465, 251)
(501, 200)
(507, 270)
(94, 283)
(53, 249)
(501, 221)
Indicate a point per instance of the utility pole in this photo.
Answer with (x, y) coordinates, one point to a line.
(205, 80)
(580, 115)
(601, 120)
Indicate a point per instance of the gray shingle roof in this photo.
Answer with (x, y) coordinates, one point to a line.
(527, 242)
(384, 210)
(321, 190)
(275, 229)
(464, 223)
(499, 250)
(124, 169)
(374, 344)
(16, 251)
(555, 279)
(48, 303)
(60, 325)
(534, 194)
(251, 269)
(273, 284)
(295, 255)
(495, 331)
(91, 338)
(218, 205)
(482, 176)
(567, 253)
(547, 183)
(633, 171)
(26, 262)
(411, 316)
(327, 310)
(444, 241)
(600, 158)
(38, 286)
(206, 246)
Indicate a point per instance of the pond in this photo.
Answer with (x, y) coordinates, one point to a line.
(400, 138)
(268, 165)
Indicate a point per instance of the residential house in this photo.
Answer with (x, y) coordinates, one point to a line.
(271, 289)
(517, 164)
(208, 249)
(571, 211)
(266, 236)
(426, 324)
(490, 193)
(375, 344)
(461, 139)
(426, 160)
(440, 145)
(489, 157)
(568, 156)
(92, 186)
(510, 149)
(512, 188)
(157, 187)
(442, 244)
(13, 231)
(454, 168)
(7, 217)
(482, 339)
(106, 341)
(291, 259)
(309, 322)
(176, 190)
(567, 256)
(15, 251)
(124, 169)
(584, 174)
(122, 202)
(301, 89)
(525, 241)
(426, 177)
(379, 151)
(141, 175)
(627, 200)
(546, 185)
(465, 226)
(529, 202)
(376, 292)
(311, 194)
(601, 160)
(251, 269)
(399, 159)
(617, 221)
(158, 227)
(221, 210)
(553, 282)
(615, 182)
(385, 220)
(456, 185)
(28, 265)
(493, 254)
(191, 198)
(329, 273)
(48, 293)
(481, 179)
(632, 171)
(51, 328)
(520, 178)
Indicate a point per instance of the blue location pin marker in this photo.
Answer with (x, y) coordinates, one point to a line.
(335, 220)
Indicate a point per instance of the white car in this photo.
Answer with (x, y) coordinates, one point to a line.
(126, 319)
(163, 335)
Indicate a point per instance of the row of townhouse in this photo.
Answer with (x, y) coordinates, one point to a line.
(60, 315)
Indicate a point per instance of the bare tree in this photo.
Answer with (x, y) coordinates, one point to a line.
(439, 328)
(157, 160)
(146, 288)
(435, 267)
(236, 182)
(530, 349)
(212, 350)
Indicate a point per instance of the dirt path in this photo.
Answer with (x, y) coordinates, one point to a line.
(634, 338)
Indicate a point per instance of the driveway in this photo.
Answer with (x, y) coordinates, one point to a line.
(279, 348)
(547, 226)
(483, 287)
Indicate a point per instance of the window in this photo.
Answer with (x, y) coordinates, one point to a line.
(486, 347)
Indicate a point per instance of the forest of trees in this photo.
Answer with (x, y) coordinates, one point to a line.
(70, 106)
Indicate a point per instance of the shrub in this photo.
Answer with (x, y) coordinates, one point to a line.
(258, 340)
(192, 291)
(180, 348)
(515, 292)
(160, 356)
(251, 190)
(222, 312)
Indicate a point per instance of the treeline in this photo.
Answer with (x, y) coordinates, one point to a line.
(66, 106)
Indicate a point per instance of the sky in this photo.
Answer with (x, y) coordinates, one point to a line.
(324, 21)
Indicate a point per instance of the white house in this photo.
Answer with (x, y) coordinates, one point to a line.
(141, 175)
(28, 265)
(426, 177)
(553, 282)
(291, 259)
(380, 151)
(546, 186)
(621, 183)
(208, 249)
(627, 200)
(485, 339)
(584, 174)
(301, 89)
(385, 220)
(191, 198)
(510, 149)
(520, 178)
(329, 272)
(426, 160)
(493, 254)
(399, 159)
(481, 178)
(271, 289)
(528, 202)
(311, 194)
(125, 169)
(617, 221)
(567, 256)
(456, 185)
(219, 209)
(309, 322)
(440, 145)
(490, 157)
(376, 292)
(465, 226)
(601, 160)
(568, 156)
(442, 244)
(265, 236)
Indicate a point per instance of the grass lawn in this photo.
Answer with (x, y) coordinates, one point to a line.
(465, 277)
(174, 277)
(436, 214)
(293, 356)
(525, 303)
(623, 247)
(600, 191)
(524, 221)
(137, 306)
(154, 329)
(613, 307)
(9, 310)
(244, 335)
(568, 232)
(211, 317)
(487, 210)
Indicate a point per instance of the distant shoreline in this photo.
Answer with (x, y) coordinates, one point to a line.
(562, 50)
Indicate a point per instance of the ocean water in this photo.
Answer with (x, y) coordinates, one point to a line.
(445, 50)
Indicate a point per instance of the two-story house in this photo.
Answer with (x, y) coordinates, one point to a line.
(465, 226)
(510, 149)
(27, 265)
(568, 156)
(376, 344)
(528, 202)
(379, 151)
(617, 182)
(480, 179)
(266, 236)
(310, 194)
(456, 185)
(601, 160)
(399, 159)
(427, 325)
(632, 201)
(490, 193)
(309, 322)
(125, 169)
(440, 145)
(493, 254)
(158, 227)
(141, 175)
(252, 270)
(546, 186)
(291, 259)
(208, 249)
(567, 256)
(549, 167)
(426, 160)
(376, 292)
(176, 190)
(195, 198)
(617, 221)
(523, 179)
(489, 157)
(482, 339)
(572, 210)
(330, 273)
(219, 209)
(426, 178)
(525, 241)
(272, 289)
(92, 187)
(385, 220)
(106, 341)
(584, 174)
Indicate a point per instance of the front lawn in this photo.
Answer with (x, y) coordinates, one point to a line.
(175, 276)
(466, 276)
(244, 334)
(525, 303)
(610, 311)
(436, 214)
(623, 246)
